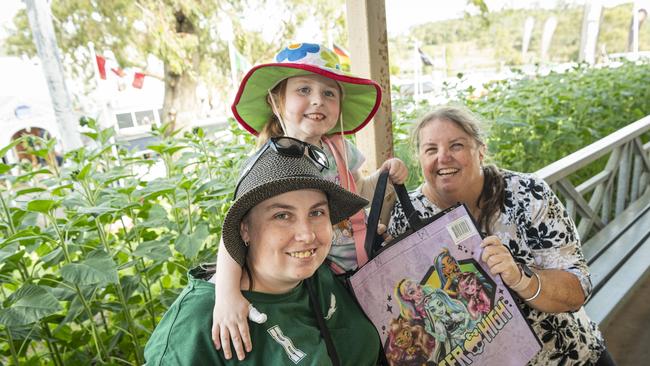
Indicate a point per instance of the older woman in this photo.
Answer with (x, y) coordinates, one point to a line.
(534, 244)
(280, 229)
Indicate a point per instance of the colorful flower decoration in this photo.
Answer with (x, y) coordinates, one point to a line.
(297, 51)
(331, 59)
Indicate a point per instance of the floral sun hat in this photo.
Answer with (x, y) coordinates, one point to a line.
(360, 100)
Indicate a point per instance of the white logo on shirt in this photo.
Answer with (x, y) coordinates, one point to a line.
(294, 354)
(332, 308)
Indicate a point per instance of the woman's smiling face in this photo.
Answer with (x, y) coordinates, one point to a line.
(289, 236)
(450, 159)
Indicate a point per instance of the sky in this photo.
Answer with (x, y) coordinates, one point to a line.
(400, 14)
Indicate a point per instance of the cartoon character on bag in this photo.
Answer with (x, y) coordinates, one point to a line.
(447, 321)
(471, 290)
(410, 296)
(448, 270)
(408, 343)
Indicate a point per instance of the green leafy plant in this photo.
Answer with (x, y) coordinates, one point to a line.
(534, 121)
(93, 254)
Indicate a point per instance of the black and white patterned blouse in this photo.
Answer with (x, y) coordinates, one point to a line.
(536, 227)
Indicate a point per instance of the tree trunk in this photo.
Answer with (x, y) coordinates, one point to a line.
(180, 104)
(40, 20)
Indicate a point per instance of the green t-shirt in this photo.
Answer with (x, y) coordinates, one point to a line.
(290, 336)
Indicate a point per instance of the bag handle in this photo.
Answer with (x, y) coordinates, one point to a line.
(373, 241)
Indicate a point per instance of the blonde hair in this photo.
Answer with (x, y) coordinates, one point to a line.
(273, 128)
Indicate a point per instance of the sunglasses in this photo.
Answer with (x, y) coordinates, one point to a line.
(287, 146)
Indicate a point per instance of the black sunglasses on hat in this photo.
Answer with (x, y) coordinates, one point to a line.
(287, 146)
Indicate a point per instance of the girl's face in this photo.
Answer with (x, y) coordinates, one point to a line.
(311, 107)
(413, 292)
(289, 235)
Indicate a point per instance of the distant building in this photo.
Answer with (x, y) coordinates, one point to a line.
(26, 108)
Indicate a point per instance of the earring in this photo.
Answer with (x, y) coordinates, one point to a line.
(246, 243)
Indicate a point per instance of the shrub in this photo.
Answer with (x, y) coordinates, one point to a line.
(534, 121)
(93, 255)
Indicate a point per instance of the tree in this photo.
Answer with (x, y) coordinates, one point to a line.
(183, 34)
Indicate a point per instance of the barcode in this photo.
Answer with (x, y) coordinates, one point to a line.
(460, 229)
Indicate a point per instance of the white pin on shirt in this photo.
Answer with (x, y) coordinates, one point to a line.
(255, 316)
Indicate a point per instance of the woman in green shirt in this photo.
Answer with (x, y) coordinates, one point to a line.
(279, 229)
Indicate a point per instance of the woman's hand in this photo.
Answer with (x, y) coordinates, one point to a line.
(500, 261)
(230, 321)
(397, 170)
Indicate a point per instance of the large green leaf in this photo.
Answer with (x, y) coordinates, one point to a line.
(157, 250)
(26, 237)
(8, 252)
(154, 189)
(13, 144)
(189, 245)
(42, 206)
(31, 303)
(97, 269)
(156, 217)
(4, 168)
(29, 190)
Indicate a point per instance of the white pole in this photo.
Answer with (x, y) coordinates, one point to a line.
(547, 36)
(417, 91)
(233, 64)
(635, 28)
(590, 27)
(529, 24)
(40, 20)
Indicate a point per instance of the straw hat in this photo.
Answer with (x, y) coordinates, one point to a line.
(272, 174)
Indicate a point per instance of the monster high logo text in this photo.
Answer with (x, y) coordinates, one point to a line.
(485, 331)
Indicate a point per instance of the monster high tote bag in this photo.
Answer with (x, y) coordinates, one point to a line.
(431, 298)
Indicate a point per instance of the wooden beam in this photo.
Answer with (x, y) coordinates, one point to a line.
(368, 44)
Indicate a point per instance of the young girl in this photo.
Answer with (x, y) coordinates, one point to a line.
(306, 96)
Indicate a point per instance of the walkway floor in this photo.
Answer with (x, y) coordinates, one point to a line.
(628, 335)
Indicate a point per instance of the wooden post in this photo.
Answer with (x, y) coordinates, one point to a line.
(368, 44)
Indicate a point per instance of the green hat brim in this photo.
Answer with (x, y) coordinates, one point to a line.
(361, 100)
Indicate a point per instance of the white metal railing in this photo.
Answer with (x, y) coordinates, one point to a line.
(595, 201)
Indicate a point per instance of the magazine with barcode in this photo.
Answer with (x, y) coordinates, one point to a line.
(434, 302)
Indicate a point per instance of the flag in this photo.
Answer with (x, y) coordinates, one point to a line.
(239, 65)
(138, 80)
(425, 58)
(119, 72)
(101, 66)
(344, 56)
